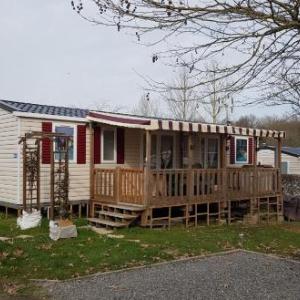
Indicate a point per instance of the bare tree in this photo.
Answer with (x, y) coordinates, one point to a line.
(107, 106)
(182, 100)
(262, 36)
(284, 89)
(250, 121)
(216, 100)
(146, 107)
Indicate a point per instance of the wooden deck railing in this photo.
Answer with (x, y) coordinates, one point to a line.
(131, 185)
(119, 185)
(183, 185)
(179, 186)
(251, 182)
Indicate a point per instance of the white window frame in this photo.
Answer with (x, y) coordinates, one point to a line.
(114, 161)
(74, 160)
(235, 147)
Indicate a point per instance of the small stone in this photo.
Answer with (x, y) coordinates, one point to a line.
(101, 231)
(116, 236)
(24, 236)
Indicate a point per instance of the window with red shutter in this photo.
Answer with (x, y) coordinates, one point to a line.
(242, 153)
(81, 144)
(46, 143)
(68, 130)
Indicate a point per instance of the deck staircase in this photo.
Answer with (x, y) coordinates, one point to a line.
(115, 215)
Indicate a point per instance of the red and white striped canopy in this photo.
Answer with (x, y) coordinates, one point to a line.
(131, 121)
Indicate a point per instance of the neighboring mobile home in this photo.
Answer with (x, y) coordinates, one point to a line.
(290, 158)
(147, 170)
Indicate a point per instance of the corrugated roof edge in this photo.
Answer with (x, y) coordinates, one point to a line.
(13, 106)
(8, 107)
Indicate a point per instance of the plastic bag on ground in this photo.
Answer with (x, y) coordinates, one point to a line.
(29, 220)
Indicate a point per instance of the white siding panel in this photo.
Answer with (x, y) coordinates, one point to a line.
(8, 157)
(266, 157)
(79, 173)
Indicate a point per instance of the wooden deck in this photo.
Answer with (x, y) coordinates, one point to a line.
(181, 186)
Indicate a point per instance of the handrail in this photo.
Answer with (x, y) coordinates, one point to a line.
(178, 186)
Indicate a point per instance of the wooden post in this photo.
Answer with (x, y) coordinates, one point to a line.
(254, 158)
(92, 166)
(279, 182)
(255, 179)
(38, 185)
(223, 160)
(147, 174)
(51, 180)
(117, 184)
(223, 156)
(190, 181)
(24, 176)
(79, 210)
(278, 153)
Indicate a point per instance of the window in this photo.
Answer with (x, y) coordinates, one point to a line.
(284, 167)
(162, 151)
(59, 144)
(209, 153)
(184, 150)
(166, 151)
(153, 151)
(241, 150)
(212, 153)
(108, 146)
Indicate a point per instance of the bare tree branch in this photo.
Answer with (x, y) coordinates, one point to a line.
(255, 38)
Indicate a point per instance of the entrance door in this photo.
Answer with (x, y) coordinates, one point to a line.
(209, 152)
(166, 151)
(162, 151)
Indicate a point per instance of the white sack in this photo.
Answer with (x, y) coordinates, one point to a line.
(56, 232)
(29, 220)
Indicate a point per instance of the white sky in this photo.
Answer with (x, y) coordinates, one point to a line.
(49, 55)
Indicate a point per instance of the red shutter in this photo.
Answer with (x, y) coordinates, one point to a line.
(46, 143)
(97, 145)
(232, 150)
(81, 144)
(251, 150)
(120, 145)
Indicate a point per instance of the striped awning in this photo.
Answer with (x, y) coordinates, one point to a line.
(130, 121)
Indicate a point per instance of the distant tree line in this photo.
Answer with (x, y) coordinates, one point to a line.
(291, 125)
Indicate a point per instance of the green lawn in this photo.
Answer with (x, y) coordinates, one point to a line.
(39, 257)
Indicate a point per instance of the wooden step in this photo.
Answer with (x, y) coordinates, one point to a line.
(116, 215)
(125, 207)
(107, 222)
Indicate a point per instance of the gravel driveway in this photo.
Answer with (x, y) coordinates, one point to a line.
(239, 275)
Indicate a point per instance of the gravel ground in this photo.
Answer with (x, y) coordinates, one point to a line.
(239, 275)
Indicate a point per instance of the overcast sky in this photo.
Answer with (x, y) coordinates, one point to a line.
(50, 55)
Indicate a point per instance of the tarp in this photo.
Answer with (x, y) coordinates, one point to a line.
(291, 207)
(29, 220)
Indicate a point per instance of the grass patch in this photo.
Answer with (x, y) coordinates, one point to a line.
(41, 258)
